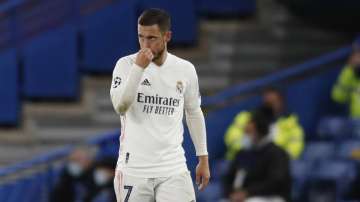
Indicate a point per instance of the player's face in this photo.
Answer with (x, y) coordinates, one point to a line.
(151, 37)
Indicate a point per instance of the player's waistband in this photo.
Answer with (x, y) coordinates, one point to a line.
(153, 173)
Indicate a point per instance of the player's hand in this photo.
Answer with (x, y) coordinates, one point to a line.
(202, 172)
(144, 57)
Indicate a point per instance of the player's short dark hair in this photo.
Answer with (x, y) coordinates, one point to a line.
(155, 16)
(262, 118)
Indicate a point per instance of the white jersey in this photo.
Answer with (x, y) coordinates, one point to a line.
(151, 105)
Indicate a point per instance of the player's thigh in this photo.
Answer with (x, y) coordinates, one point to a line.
(178, 188)
(133, 189)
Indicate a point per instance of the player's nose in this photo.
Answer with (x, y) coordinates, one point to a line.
(146, 44)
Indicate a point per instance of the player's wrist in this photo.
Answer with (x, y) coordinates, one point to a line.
(203, 159)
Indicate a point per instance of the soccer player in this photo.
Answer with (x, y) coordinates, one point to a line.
(150, 90)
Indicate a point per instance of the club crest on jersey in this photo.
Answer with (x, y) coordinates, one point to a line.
(179, 87)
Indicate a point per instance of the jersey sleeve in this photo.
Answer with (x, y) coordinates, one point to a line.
(125, 82)
(192, 94)
(194, 115)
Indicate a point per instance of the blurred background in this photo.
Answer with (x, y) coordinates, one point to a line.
(57, 57)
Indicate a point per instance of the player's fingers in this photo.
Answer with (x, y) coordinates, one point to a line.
(150, 55)
(147, 51)
(204, 182)
(201, 187)
(142, 51)
(198, 178)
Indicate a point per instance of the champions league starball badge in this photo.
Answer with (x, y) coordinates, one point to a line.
(116, 82)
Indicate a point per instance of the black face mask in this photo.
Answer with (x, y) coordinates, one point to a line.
(357, 71)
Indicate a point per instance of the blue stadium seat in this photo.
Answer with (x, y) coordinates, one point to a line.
(8, 190)
(219, 168)
(226, 7)
(50, 65)
(341, 173)
(23, 186)
(5, 189)
(183, 16)
(347, 149)
(19, 187)
(355, 127)
(31, 188)
(300, 171)
(3, 192)
(336, 128)
(37, 190)
(9, 91)
(212, 193)
(315, 151)
(109, 34)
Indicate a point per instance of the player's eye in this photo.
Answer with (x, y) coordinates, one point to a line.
(152, 38)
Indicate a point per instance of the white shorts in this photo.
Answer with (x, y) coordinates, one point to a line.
(264, 199)
(178, 188)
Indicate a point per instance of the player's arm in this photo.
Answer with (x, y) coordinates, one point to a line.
(196, 124)
(126, 80)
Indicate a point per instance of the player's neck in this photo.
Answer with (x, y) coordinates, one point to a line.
(161, 60)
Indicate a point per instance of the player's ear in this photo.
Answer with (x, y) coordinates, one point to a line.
(168, 35)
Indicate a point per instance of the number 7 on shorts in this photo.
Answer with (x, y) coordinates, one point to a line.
(129, 189)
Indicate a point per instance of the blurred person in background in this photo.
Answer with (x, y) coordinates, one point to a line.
(285, 131)
(85, 179)
(353, 194)
(347, 88)
(103, 177)
(76, 177)
(260, 171)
